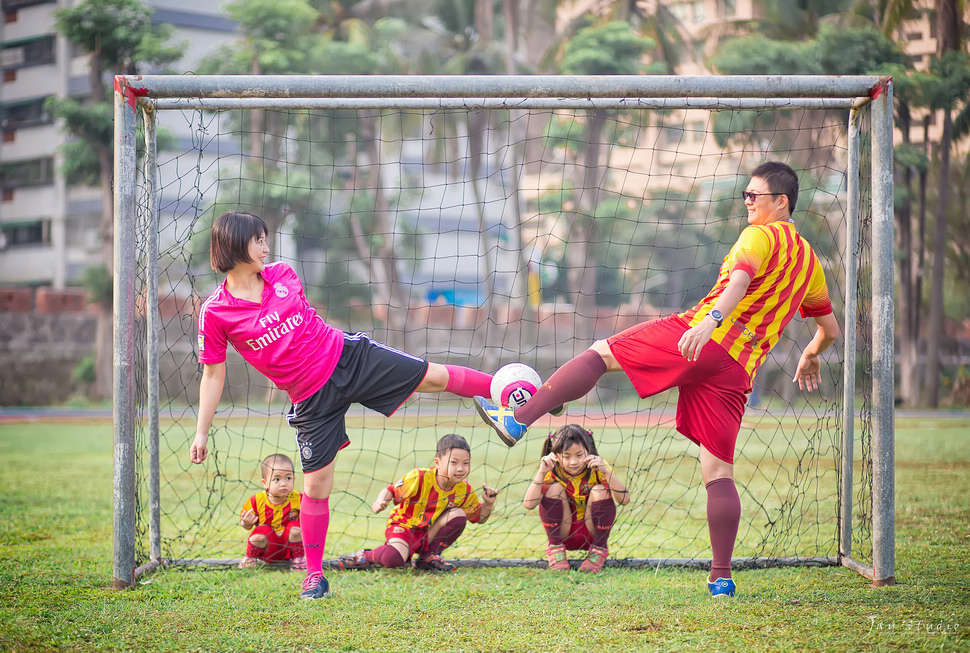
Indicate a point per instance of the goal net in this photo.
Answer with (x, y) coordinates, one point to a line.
(478, 224)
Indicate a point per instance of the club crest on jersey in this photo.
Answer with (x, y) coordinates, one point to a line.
(281, 290)
(201, 342)
(306, 452)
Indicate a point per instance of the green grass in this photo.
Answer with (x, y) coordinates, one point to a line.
(55, 570)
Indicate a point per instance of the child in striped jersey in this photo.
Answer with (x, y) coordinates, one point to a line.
(273, 516)
(432, 507)
(573, 480)
(712, 351)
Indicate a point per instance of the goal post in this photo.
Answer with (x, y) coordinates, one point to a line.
(336, 144)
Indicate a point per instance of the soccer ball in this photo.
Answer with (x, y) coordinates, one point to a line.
(514, 384)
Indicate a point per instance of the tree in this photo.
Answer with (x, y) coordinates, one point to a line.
(120, 39)
(600, 49)
(952, 70)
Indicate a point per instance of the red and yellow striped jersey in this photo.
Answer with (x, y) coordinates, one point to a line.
(577, 487)
(277, 516)
(420, 500)
(786, 276)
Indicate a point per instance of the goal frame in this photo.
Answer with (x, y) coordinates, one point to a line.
(150, 93)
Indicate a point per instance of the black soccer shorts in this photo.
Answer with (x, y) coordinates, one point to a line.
(368, 373)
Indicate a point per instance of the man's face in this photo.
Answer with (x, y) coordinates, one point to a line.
(765, 206)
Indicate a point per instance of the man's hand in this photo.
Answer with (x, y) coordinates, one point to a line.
(198, 450)
(694, 338)
(808, 375)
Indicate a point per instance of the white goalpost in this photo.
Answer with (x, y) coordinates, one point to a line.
(483, 220)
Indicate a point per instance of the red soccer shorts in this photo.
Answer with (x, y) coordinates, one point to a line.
(579, 537)
(417, 539)
(278, 547)
(712, 389)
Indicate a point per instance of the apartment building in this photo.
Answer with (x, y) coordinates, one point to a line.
(48, 231)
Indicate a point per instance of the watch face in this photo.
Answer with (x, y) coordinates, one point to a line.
(717, 315)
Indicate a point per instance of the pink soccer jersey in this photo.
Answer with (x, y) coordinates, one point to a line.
(281, 336)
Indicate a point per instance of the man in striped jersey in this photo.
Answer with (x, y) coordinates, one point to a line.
(712, 351)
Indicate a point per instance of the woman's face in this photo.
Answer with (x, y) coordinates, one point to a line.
(258, 251)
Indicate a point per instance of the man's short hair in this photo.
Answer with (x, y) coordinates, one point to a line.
(231, 234)
(780, 179)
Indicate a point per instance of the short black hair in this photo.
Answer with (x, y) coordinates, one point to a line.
(273, 462)
(566, 436)
(780, 179)
(231, 234)
(449, 442)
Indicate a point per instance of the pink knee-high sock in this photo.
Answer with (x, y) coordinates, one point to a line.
(602, 513)
(447, 535)
(723, 517)
(385, 555)
(551, 514)
(466, 382)
(314, 522)
(571, 381)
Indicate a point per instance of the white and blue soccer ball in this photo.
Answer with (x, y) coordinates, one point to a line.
(514, 384)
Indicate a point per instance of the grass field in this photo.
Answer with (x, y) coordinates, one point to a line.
(55, 570)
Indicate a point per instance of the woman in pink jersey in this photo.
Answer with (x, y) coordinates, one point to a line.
(711, 352)
(261, 310)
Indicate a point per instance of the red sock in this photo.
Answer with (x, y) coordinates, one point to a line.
(385, 555)
(253, 551)
(314, 521)
(571, 381)
(723, 517)
(602, 513)
(295, 550)
(550, 512)
(447, 535)
(466, 382)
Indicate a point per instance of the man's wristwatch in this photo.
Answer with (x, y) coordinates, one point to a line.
(718, 317)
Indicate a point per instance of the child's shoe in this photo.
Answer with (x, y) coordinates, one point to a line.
(556, 555)
(721, 588)
(501, 419)
(433, 562)
(298, 564)
(315, 586)
(357, 561)
(250, 563)
(596, 559)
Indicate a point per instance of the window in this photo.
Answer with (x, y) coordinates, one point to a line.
(14, 5)
(28, 52)
(700, 12)
(28, 232)
(681, 12)
(914, 36)
(24, 174)
(15, 115)
(730, 8)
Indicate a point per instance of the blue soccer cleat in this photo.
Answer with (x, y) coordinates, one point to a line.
(315, 586)
(721, 588)
(501, 419)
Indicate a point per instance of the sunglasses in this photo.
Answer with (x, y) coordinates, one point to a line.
(748, 195)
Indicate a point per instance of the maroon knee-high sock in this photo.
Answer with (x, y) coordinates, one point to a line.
(447, 535)
(602, 513)
(550, 512)
(466, 382)
(723, 517)
(385, 555)
(571, 381)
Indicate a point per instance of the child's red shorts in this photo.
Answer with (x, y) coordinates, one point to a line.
(713, 388)
(278, 546)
